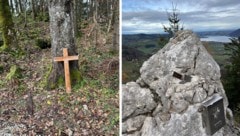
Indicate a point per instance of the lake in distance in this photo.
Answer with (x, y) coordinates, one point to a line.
(223, 39)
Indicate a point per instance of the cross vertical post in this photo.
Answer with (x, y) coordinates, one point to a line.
(66, 60)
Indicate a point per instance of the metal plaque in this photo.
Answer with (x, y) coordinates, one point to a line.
(177, 75)
(183, 77)
(213, 114)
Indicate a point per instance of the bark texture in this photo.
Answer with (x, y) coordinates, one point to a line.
(6, 26)
(62, 35)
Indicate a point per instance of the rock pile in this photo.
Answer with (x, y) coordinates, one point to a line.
(159, 104)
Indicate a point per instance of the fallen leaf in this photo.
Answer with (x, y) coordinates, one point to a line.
(49, 102)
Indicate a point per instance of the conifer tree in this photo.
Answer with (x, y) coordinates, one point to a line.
(232, 80)
(174, 20)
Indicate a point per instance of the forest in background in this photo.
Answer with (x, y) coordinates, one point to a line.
(93, 107)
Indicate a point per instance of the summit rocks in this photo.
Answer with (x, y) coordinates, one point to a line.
(158, 104)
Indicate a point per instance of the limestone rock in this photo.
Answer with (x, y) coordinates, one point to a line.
(200, 95)
(133, 124)
(136, 100)
(184, 52)
(163, 105)
(179, 104)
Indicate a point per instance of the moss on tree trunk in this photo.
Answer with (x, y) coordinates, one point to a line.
(6, 25)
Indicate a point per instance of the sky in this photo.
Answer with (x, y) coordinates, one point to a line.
(148, 16)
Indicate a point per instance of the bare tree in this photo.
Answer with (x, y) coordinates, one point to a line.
(20, 6)
(115, 22)
(11, 6)
(34, 14)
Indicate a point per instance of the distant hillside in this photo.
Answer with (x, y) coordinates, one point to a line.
(132, 39)
(130, 53)
(235, 33)
(136, 49)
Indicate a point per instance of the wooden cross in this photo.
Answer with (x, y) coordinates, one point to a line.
(66, 60)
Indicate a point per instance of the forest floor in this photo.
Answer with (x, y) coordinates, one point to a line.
(92, 108)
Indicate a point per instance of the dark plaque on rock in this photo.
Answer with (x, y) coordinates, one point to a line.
(177, 75)
(213, 114)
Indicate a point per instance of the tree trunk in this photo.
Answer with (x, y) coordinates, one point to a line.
(25, 14)
(11, 6)
(33, 9)
(78, 15)
(62, 34)
(115, 22)
(116, 37)
(20, 6)
(7, 26)
(16, 7)
(41, 7)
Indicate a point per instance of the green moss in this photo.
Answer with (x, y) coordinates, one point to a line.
(75, 76)
(60, 82)
(15, 72)
(6, 24)
(44, 81)
(3, 48)
(76, 79)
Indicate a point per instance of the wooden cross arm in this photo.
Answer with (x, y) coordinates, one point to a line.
(68, 58)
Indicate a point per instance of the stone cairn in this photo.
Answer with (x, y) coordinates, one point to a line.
(159, 104)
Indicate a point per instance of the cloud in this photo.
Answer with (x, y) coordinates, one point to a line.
(130, 27)
(218, 3)
(149, 15)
